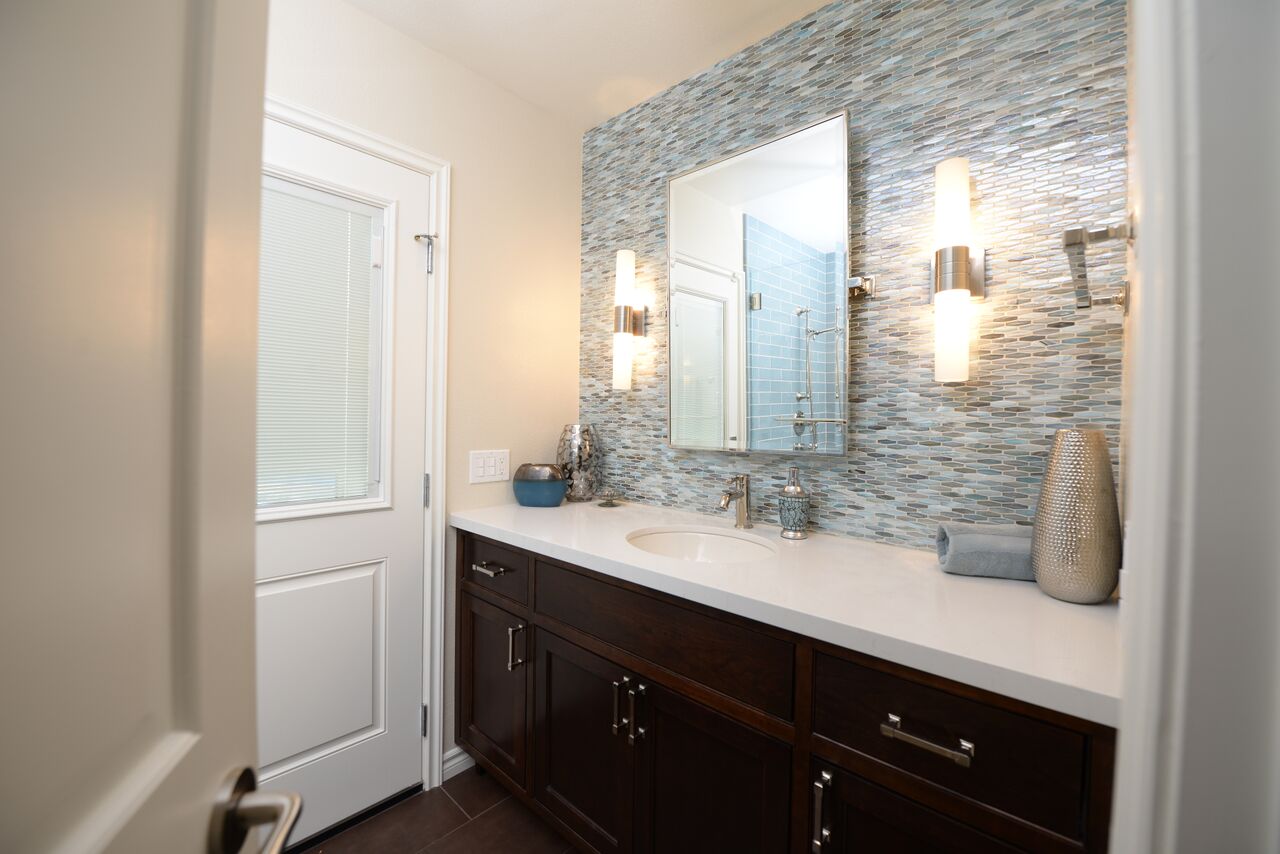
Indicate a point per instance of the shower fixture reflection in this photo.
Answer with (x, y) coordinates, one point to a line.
(801, 421)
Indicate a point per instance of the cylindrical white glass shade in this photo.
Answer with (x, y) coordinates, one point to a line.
(623, 342)
(623, 347)
(951, 226)
(624, 288)
(951, 336)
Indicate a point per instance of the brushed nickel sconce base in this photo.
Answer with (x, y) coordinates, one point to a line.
(959, 267)
(629, 319)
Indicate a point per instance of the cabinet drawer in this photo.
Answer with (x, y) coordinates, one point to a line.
(1022, 766)
(496, 567)
(745, 664)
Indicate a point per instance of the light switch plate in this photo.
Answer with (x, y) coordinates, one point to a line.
(490, 466)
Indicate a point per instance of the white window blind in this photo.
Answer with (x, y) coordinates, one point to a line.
(319, 348)
(697, 371)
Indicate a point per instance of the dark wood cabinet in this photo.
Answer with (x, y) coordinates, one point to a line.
(585, 768)
(497, 568)
(734, 659)
(491, 680)
(1026, 767)
(706, 782)
(854, 816)
(645, 723)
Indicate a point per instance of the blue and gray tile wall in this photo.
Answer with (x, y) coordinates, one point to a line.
(789, 274)
(1033, 93)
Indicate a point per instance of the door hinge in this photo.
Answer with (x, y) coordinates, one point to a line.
(426, 722)
(426, 490)
(431, 249)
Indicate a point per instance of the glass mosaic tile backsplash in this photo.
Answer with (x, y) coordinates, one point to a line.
(1033, 92)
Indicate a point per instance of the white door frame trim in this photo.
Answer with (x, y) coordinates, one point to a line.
(1159, 470)
(438, 170)
(1198, 734)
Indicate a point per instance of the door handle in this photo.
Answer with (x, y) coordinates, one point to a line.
(962, 757)
(483, 568)
(633, 732)
(821, 835)
(240, 806)
(617, 692)
(512, 661)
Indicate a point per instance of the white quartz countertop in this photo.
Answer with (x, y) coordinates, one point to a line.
(887, 601)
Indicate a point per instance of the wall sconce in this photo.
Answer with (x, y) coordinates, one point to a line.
(957, 271)
(629, 315)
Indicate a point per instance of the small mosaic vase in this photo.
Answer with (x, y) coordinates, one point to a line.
(793, 508)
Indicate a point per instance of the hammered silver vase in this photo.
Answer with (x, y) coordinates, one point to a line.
(1075, 547)
(579, 455)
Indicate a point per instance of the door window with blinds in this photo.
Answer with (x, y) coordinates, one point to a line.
(321, 318)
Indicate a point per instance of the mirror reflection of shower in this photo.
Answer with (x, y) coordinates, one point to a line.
(809, 421)
(758, 297)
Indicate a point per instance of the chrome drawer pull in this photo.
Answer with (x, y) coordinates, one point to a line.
(617, 689)
(512, 661)
(483, 568)
(821, 835)
(633, 732)
(962, 757)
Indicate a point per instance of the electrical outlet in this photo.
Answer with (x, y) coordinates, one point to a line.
(490, 466)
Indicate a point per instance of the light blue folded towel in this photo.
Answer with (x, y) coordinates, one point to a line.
(994, 551)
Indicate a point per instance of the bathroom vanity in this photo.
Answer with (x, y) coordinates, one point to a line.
(819, 696)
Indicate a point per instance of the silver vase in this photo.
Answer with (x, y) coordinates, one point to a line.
(1075, 548)
(579, 455)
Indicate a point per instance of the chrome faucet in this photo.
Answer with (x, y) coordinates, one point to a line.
(739, 490)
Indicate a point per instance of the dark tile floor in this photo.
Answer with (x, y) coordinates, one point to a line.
(470, 813)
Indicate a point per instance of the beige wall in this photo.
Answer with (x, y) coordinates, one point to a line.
(514, 226)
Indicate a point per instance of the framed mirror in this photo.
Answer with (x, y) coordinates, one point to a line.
(758, 297)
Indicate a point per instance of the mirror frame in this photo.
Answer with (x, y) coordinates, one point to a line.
(843, 115)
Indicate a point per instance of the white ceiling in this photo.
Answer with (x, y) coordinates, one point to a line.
(588, 60)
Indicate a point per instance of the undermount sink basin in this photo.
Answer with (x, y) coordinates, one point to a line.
(703, 545)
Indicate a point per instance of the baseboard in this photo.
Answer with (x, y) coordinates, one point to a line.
(454, 762)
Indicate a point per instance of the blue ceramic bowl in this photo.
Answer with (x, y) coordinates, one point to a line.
(540, 485)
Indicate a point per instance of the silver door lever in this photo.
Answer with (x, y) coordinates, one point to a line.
(240, 807)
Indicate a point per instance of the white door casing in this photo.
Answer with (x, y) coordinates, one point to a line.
(128, 340)
(341, 597)
(701, 279)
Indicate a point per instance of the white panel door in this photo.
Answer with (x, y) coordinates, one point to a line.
(130, 162)
(341, 457)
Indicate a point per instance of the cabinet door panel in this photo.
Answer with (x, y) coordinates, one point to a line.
(584, 771)
(863, 818)
(707, 783)
(493, 714)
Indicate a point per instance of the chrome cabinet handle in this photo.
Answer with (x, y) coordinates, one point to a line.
(633, 732)
(483, 568)
(240, 807)
(617, 690)
(821, 835)
(962, 757)
(512, 661)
